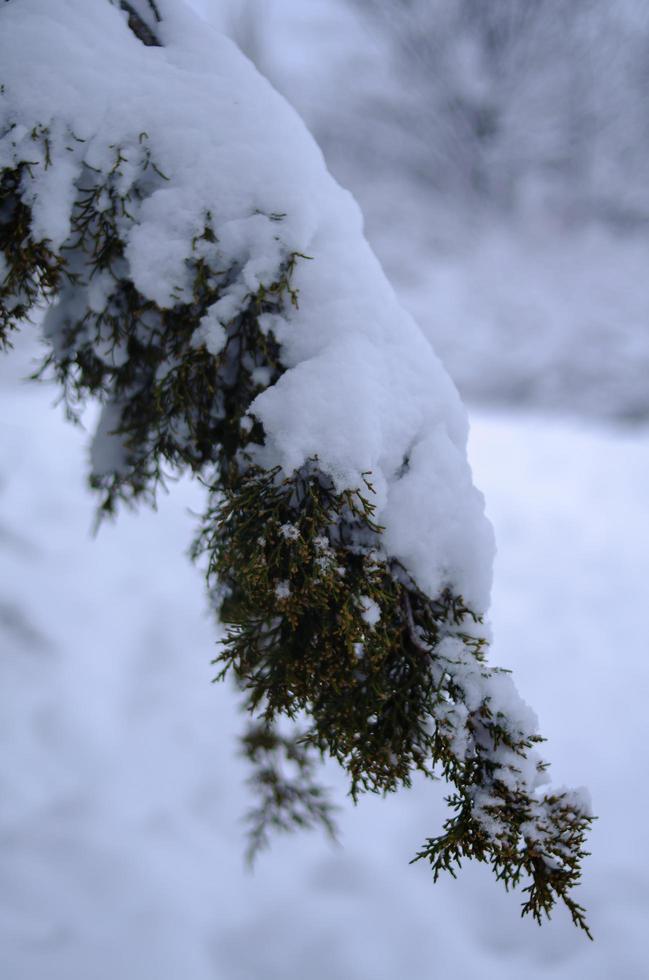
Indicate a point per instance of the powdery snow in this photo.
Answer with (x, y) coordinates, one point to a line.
(371, 611)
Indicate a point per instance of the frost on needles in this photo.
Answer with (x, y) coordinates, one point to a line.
(209, 284)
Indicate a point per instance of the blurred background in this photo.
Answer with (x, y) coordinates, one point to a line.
(500, 153)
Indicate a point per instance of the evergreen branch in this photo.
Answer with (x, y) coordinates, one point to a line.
(284, 800)
(323, 624)
(549, 854)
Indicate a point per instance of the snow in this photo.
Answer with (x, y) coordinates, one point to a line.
(289, 532)
(425, 505)
(211, 332)
(123, 851)
(371, 611)
(283, 590)
(107, 454)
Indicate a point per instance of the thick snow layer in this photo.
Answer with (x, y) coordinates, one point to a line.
(364, 391)
(122, 854)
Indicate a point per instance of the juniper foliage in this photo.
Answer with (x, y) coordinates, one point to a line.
(325, 629)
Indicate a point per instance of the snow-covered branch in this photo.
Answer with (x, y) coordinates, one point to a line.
(210, 284)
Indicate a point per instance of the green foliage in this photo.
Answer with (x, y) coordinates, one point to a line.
(176, 404)
(34, 271)
(551, 860)
(297, 563)
(287, 796)
(293, 566)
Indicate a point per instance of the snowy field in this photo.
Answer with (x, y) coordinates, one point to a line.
(122, 853)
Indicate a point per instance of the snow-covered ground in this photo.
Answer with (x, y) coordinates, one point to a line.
(121, 852)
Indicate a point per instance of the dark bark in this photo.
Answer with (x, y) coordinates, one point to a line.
(139, 27)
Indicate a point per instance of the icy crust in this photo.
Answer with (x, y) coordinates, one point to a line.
(364, 390)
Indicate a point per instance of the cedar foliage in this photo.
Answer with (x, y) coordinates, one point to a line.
(324, 628)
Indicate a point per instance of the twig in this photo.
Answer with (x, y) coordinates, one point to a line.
(139, 27)
(416, 640)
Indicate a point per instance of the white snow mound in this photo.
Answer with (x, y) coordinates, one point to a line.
(364, 391)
